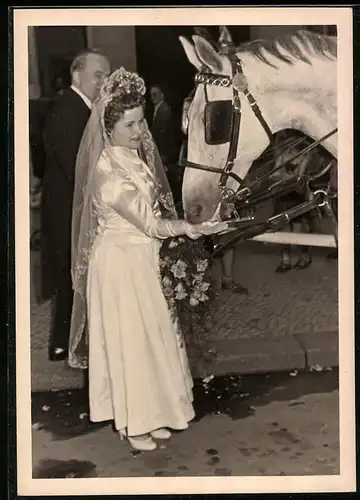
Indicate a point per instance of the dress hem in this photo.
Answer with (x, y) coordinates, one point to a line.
(158, 425)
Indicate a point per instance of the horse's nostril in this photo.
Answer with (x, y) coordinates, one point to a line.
(195, 212)
(198, 210)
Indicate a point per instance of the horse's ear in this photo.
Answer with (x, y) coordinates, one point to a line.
(225, 36)
(190, 52)
(207, 54)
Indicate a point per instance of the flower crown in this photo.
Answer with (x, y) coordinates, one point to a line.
(115, 85)
(118, 82)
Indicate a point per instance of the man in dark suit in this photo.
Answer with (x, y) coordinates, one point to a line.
(163, 127)
(164, 134)
(62, 135)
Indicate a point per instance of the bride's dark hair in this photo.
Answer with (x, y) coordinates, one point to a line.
(122, 101)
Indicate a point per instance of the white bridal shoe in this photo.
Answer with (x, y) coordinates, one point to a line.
(144, 443)
(161, 433)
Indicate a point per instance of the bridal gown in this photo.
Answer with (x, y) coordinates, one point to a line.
(138, 368)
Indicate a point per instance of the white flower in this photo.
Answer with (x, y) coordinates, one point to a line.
(173, 244)
(193, 301)
(178, 269)
(167, 284)
(197, 278)
(201, 265)
(166, 281)
(204, 286)
(179, 287)
(180, 292)
(162, 263)
(203, 297)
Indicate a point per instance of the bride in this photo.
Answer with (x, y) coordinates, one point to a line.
(122, 328)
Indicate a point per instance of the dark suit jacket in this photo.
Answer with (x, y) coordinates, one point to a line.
(163, 131)
(64, 127)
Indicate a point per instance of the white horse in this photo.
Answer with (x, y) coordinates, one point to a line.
(293, 79)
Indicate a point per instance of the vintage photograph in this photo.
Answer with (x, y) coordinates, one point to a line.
(187, 214)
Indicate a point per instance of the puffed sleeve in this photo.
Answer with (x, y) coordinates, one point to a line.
(127, 201)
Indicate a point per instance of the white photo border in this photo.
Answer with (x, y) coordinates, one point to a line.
(342, 17)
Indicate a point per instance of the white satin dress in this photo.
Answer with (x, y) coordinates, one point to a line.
(138, 368)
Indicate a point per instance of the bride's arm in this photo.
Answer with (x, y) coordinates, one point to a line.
(128, 202)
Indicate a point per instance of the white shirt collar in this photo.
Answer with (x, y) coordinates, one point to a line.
(83, 96)
(157, 106)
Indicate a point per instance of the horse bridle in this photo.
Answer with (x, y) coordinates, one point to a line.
(244, 190)
(207, 78)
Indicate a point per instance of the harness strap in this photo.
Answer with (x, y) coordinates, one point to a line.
(256, 184)
(274, 223)
(235, 127)
(258, 114)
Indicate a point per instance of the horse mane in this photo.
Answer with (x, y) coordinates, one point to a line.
(300, 45)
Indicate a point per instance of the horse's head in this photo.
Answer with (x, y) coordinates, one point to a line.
(208, 122)
(274, 84)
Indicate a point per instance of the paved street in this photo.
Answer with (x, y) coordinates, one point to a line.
(278, 424)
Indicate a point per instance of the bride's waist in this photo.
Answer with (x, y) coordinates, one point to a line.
(122, 233)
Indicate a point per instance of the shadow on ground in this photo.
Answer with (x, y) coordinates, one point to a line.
(65, 414)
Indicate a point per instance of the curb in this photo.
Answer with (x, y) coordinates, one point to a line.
(299, 352)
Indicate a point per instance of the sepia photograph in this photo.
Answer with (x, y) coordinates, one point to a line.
(184, 250)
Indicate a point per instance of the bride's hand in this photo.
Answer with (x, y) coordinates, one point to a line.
(194, 231)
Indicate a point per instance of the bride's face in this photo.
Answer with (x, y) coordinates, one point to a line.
(129, 128)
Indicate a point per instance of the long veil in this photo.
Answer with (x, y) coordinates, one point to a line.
(84, 219)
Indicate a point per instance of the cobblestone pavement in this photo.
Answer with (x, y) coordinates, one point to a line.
(249, 426)
(277, 305)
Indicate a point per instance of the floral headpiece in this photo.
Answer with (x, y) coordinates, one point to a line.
(118, 82)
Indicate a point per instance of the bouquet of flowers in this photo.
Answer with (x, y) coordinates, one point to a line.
(185, 267)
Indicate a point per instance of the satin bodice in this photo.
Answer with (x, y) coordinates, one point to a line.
(125, 198)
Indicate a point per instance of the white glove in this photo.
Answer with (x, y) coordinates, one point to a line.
(194, 231)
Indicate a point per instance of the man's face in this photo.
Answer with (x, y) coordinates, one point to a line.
(156, 95)
(91, 77)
